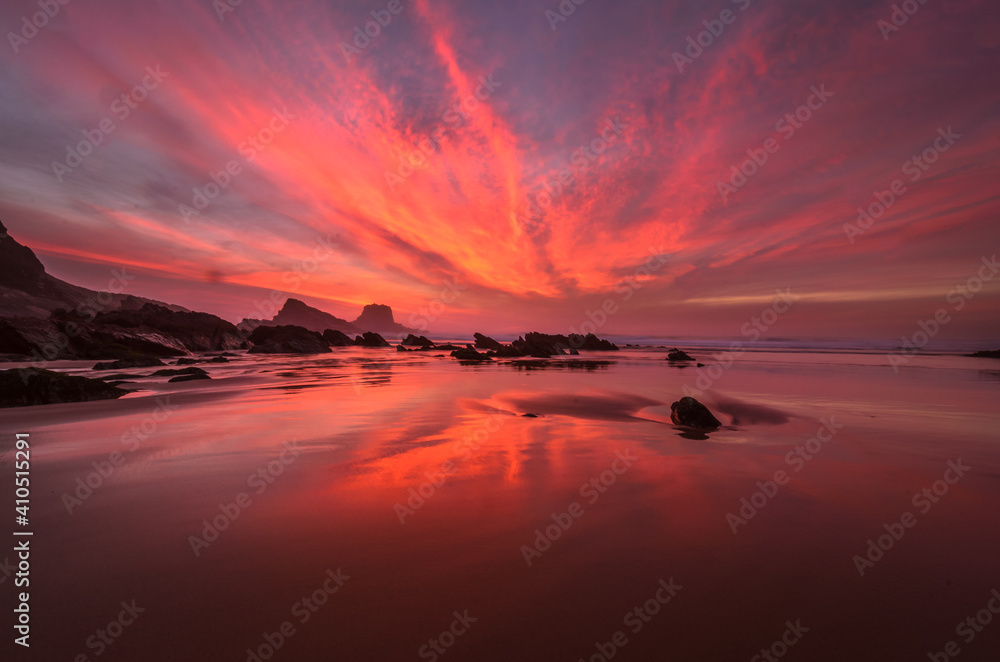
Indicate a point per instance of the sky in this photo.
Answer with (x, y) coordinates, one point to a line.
(514, 166)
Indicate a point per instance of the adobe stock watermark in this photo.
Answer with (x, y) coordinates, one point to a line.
(31, 25)
(294, 277)
(969, 627)
(915, 168)
(696, 44)
(566, 9)
(591, 491)
(223, 7)
(88, 309)
(259, 480)
(121, 108)
(786, 128)
(452, 118)
(791, 636)
(131, 439)
(635, 620)
(427, 314)
(363, 38)
(440, 644)
(249, 148)
(418, 496)
(927, 329)
(898, 17)
(752, 330)
(923, 500)
(105, 637)
(302, 610)
(558, 181)
(795, 459)
(625, 289)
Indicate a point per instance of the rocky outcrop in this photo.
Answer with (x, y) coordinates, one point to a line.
(27, 290)
(543, 345)
(298, 313)
(287, 339)
(370, 339)
(416, 341)
(197, 332)
(690, 413)
(469, 353)
(337, 338)
(23, 387)
(378, 318)
(987, 354)
(677, 355)
(485, 342)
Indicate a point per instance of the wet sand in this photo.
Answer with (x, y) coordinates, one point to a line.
(328, 454)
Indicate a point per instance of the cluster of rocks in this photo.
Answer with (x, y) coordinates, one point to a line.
(293, 339)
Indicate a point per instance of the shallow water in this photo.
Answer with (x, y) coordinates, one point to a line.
(381, 437)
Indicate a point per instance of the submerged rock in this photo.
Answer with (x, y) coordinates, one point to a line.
(689, 412)
(23, 387)
(288, 339)
(122, 364)
(169, 372)
(469, 353)
(987, 354)
(189, 378)
(186, 361)
(678, 355)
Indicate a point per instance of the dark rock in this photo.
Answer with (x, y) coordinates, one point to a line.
(298, 313)
(196, 332)
(337, 338)
(987, 354)
(11, 340)
(23, 387)
(370, 339)
(543, 345)
(470, 354)
(689, 412)
(218, 359)
(677, 355)
(416, 341)
(122, 364)
(188, 378)
(485, 342)
(186, 361)
(529, 415)
(447, 347)
(176, 371)
(287, 339)
(378, 318)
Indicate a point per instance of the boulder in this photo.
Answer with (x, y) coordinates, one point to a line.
(23, 387)
(416, 341)
(186, 361)
(469, 353)
(677, 355)
(287, 339)
(370, 339)
(690, 413)
(337, 338)
(485, 342)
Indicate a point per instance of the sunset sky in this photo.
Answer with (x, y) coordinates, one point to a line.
(336, 157)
